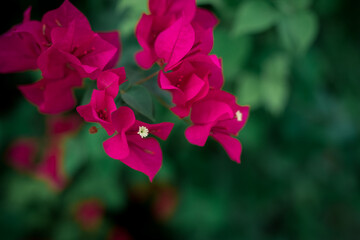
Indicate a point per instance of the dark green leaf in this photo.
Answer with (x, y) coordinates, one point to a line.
(139, 98)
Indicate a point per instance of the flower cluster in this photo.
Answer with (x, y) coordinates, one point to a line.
(176, 35)
(179, 37)
(65, 49)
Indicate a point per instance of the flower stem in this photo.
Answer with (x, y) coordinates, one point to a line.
(141, 81)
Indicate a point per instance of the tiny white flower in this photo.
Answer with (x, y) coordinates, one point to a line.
(143, 131)
(238, 116)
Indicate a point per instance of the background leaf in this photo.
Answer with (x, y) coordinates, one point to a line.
(274, 83)
(297, 32)
(254, 16)
(139, 98)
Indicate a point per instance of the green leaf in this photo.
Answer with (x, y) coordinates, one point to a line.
(254, 16)
(224, 45)
(290, 6)
(249, 92)
(132, 11)
(274, 84)
(297, 32)
(139, 98)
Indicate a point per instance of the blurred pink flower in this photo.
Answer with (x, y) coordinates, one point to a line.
(89, 213)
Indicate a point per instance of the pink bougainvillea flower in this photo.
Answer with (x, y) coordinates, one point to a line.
(165, 35)
(110, 80)
(218, 116)
(89, 213)
(99, 110)
(132, 144)
(190, 81)
(53, 96)
(50, 169)
(22, 153)
(76, 48)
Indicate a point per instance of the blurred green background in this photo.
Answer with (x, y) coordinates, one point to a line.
(295, 62)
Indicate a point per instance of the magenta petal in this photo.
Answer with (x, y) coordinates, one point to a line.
(117, 146)
(18, 52)
(109, 82)
(161, 130)
(205, 18)
(209, 111)
(63, 16)
(198, 134)
(231, 145)
(175, 42)
(57, 100)
(34, 92)
(157, 7)
(144, 59)
(99, 110)
(145, 155)
(233, 126)
(114, 39)
(193, 87)
(123, 118)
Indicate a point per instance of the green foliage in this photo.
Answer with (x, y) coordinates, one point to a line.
(297, 32)
(254, 16)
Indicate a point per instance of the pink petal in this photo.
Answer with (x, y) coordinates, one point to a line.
(231, 145)
(208, 111)
(123, 118)
(63, 16)
(233, 126)
(114, 39)
(18, 52)
(205, 18)
(117, 146)
(144, 59)
(34, 92)
(161, 130)
(198, 134)
(110, 81)
(145, 155)
(175, 42)
(100, 101)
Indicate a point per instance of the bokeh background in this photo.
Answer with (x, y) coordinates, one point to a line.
(295, 62)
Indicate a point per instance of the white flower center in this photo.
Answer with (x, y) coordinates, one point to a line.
(143, 131)
(238, 116)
